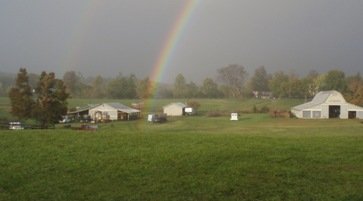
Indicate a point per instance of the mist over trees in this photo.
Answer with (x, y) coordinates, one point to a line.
(231, 81)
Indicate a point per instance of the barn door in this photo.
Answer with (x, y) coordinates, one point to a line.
(334, 111)
(352, 114)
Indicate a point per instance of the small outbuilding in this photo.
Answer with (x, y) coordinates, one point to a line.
(174, 109)
(328, 104)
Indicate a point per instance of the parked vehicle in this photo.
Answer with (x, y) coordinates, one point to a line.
(15, 125)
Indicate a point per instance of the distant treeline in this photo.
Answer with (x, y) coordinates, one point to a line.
(232, 81)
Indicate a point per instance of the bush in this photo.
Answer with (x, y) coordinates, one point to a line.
(216, 114)
(194, 104)
(264, 109)
(281, 114)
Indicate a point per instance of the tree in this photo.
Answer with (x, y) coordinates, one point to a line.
(98, 88)
(163, 91)
(279, 83)
(21, 97)
(6, 83)
(51, 101)
(334, 80)
(143, 90)
(72, 81)
(210, 89)
(180, 87)
(296, 87)
(312, 84)
(122, 87)
(259, 81)
(234, 77)
(354, 92)
(192, 90)
(131, 87)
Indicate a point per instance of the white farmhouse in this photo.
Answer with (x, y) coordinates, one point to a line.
(328, 104)
(174, 109)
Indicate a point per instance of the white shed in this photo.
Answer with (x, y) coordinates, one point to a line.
(174, 109)
(113, 111)
(328, 104)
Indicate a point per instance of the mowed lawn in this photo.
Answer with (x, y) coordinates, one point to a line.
(190, 158)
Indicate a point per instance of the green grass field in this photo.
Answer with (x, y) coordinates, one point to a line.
(190, 158)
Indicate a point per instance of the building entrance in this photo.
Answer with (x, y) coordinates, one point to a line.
(334, 111)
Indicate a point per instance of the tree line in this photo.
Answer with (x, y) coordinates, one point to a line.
(231, 81)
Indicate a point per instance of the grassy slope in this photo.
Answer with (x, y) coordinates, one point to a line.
(194, 158)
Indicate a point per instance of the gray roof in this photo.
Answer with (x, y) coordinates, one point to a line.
(177, 104)
(319, 99)
(116, 106)
(84, 108)
(123, 108)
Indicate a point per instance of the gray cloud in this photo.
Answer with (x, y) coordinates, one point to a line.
(126, 36)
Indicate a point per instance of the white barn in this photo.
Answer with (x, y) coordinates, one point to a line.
(328, 104)
(113, 111)
(174, 109)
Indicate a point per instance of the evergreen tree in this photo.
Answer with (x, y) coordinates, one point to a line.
(259, 81)
(51, 101)
(21, 96)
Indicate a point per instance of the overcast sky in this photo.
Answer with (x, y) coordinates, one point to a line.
(107, 37)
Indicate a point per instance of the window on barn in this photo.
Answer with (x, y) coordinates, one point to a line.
(306, 114)
(316, 114)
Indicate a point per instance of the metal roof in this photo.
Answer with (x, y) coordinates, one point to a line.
(319, 99)
(84, 108)
(122, 108)
(179, 104)
(116, 106)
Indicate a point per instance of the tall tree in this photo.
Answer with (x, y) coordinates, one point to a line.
(21, 97)
(51, 102)
(72, 81)
(192, 90)
(259, 81)
(234, 77)
(210, 89)
(354, 92)
(122, 87)
(143, 88)
(312, 84)
(279, 84)
(98, 88)
(180, 87)
(334, 80)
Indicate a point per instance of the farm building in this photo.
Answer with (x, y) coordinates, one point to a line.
(328, 104)
(108, 111)
(175, 109)
(113, 111)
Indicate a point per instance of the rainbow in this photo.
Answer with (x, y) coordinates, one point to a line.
(170, 44)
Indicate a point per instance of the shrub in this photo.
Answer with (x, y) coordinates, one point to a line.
(194, 104)
(216, 114)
